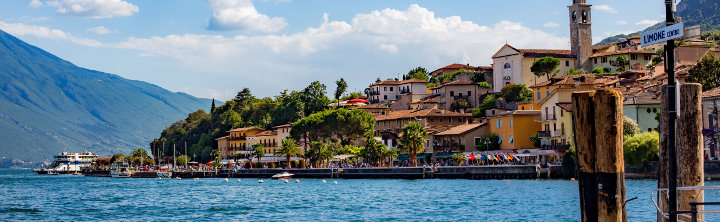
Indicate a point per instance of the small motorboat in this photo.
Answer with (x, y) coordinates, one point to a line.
(283, 175)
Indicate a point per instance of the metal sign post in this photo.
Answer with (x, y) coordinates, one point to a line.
(672, 115)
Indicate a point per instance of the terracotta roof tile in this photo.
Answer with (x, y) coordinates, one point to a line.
(412, 81)
(244, 129)
(714, 92)
(266, 133)
(570, 80)
(539, 53)
(282, 126)
(386, 82)
(402, 114)
(461, 129)
(566, 106)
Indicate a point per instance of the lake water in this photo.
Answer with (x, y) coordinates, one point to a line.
(27, 196)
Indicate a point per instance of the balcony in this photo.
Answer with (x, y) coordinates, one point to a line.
(237, 138)
(544, 134)
(373, 93)
(449, 148)
(558, 133)
(404, 91)
(549, 117)
(374, 101)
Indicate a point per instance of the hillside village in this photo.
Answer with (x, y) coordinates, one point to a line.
(507, 107)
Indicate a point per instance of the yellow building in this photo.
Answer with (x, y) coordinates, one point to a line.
(238, 138)
(223, 145)
(267, 138)
(511, 137)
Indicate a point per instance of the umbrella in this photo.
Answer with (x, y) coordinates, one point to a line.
(352, 101)
(210, 163)
(472, 156)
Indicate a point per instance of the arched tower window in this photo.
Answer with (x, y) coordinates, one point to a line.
(584, 16)
(574, 17)
(507, 65)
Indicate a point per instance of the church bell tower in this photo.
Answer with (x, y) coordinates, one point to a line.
(581, 34)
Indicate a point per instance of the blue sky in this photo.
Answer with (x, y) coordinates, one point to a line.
(214, 48)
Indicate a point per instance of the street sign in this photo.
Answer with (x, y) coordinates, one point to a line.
(662, 34)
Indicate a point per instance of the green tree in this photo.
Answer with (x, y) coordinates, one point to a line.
(545, 66)
(413, 140)
(641, 148)
(372, 151)
(484, 85)
(116, 157)
(417, 73)
(572, 71)
(258, 151)
(630, 127)
(140, 152)
(288, 148)
(488, 103)
(212, 107)
(459, 158)
(314, 98)
(621, 62)
(490, 142)
(389, 154)
(340, 89)
(182, 160)
(514, 92)
(706, 72)
(244, 96)
(597, 70)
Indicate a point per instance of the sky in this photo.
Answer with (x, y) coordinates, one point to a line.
(215, 48)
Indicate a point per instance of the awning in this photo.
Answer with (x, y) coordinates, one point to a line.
(444, 155)
(404, 156)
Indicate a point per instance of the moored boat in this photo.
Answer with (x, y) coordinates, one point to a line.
(283, 175)
(120, 170)
(68, 163)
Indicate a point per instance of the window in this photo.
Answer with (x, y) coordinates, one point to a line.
(574, 17)
(567, 63)
(499, 139)
(468, 94)
(561, 112)
(654, 110)
(385, 97)
(584, 16)
(647, 57)
(511, 139)
(648, 110)
(506, 65)
(562, 129)
(538, 95)
(595, 59)
(450, 120)
(511, 122)
(452, 93)
(547, 93)
(554, 127)
(633, 56)
(478, 141)
(385, 88)
(603, 59)
(498, 123)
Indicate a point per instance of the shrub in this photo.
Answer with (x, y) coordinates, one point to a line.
(247, 165)
(295, 164)
(641, 148)
(536, 141)
(515, 92)
(630, 127)
(459, 158)
(271, 165)
(484, 85)
(258, 165)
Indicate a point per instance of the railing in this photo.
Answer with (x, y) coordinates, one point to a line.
(693, 205)
(372, 93)
(555, 147)
(237, 138)
(558, 133)
(374, 101)
(449, 148)
(543, 134)
(403, 91)
(549, 117)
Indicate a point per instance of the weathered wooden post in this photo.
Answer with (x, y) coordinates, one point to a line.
(584, 122)
(663, 158)
(598, 131)
(690, 146)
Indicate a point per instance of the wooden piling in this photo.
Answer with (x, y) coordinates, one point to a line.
(598, 130)
(690, 146)
(663, 158)
(584, 121)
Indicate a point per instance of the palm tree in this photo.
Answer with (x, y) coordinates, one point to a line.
(390, 154)
(258, 150)
(288, 148)
(412, 140)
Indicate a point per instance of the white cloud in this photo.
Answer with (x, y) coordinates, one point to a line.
(94, 8)
(551, 25)
(380, 41)
(647, 22)
(19, 29)
(621, 22)
(35, 3)
(241, 15)
(101, 30)
(388, 48)
(606, 8)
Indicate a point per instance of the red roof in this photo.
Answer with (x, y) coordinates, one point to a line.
(353, 101)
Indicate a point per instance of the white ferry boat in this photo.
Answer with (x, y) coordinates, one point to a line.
(69, 163)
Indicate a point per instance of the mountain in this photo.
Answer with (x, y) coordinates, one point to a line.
(48, 105)
(705, 13)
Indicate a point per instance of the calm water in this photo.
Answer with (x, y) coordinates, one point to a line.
(27, 196)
